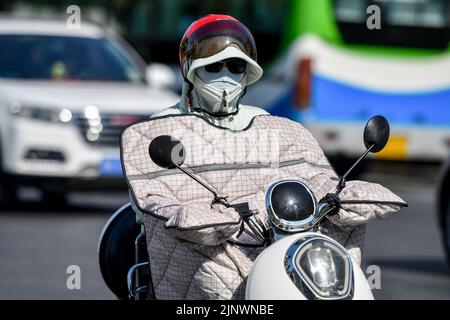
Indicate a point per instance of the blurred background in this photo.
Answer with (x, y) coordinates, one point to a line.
(73, 74)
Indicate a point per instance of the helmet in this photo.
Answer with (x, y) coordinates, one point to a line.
(215, 38)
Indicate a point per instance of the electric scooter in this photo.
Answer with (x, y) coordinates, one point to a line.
(303, 263)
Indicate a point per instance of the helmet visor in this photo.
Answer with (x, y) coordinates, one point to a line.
(214, 37)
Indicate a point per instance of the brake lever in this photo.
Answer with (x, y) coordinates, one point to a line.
(256, 227)
(221, 200)
(331, 202)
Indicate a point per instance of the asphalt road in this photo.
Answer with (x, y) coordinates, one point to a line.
(408, 246)
(37, 244)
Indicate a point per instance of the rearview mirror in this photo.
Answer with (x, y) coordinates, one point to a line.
(167, 152)
(160, 76)
(376, 133)
(376, 136)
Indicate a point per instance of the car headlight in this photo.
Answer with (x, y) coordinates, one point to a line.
(40, 113)
(320, 268)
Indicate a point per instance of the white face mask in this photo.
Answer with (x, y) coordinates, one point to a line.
(218, 93)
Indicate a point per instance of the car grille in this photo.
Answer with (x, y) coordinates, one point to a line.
(106, 129)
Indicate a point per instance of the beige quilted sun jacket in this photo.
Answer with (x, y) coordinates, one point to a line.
(190, 243)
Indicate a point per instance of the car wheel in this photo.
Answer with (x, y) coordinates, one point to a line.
(53, 199)
(446, 231)
(8, 191)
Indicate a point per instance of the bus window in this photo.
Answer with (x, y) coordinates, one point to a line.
(413, 23)
(351, 10)
(428, 14)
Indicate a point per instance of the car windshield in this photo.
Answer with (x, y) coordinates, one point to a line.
(34, 57)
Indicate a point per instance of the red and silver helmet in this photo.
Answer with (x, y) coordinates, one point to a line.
(215, 38)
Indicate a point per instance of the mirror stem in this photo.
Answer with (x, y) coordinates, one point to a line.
(342, 181)
(200, 182)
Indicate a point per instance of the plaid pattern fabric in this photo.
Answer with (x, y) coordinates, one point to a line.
(187, 237)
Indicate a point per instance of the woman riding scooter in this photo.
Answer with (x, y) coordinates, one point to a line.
(218, 61)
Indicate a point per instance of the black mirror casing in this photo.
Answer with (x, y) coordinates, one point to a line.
(376, 133)
(167, 152)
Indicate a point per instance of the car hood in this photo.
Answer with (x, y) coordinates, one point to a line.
(107, 97)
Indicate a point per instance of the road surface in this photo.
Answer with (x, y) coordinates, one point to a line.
(37, 245)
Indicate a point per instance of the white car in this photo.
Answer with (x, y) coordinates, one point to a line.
(65, 96)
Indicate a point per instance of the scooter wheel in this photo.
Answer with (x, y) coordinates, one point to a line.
(116, 250)
(446, 231)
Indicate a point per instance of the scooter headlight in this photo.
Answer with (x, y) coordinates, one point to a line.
(320, 268)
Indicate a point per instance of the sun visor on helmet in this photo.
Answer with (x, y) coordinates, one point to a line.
(253, 72)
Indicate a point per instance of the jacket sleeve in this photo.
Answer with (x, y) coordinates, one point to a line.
(196, 221)
(362, 202)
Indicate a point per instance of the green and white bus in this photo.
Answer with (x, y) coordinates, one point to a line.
(335, 72)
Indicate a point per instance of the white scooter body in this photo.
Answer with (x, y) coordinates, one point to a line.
(269, 280)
